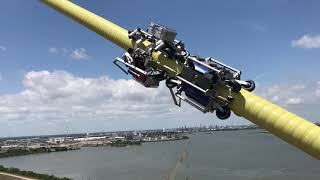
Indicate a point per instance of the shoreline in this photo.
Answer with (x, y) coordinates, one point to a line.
(9, 176)
(17, 174)
(22, 151)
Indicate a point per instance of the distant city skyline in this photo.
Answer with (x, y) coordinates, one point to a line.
(57, 76)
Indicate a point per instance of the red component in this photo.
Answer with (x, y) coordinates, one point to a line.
(141, 77)
(138, 75)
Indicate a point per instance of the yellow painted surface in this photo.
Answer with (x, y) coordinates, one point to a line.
(109, 30)
(105, 28)
(291, 128)
(287, 126)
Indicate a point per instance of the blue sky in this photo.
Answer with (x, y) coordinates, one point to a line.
(274, 42)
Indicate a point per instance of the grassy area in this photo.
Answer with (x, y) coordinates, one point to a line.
(29, 174)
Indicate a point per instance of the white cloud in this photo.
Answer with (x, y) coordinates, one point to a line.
(294, 101)
(291, 94)
(50, 99)
(307, 41)
(80, 53)
(53, 50)
(317, 91)
(77, 54)
(88, 104)
(275, 99)
(3, 48)
(61, 86)
(298, 87)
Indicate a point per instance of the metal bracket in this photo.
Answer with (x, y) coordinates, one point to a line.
(129, 65)
(173, 95)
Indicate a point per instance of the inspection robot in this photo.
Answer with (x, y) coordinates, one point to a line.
(198, 81)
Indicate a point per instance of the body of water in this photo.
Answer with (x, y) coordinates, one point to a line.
(239, 155)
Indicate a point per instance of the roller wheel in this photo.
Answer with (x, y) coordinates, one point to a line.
(235, 86)
(224, 114)
(251, 85)
(170, 84)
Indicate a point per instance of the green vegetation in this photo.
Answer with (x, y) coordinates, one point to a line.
(21, 151)
(30, 174)
(125, 143)
(185, 137)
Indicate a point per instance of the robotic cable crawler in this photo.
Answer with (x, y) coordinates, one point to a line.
(199, 79)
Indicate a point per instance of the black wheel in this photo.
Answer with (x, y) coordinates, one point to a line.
(170, 84)
(251, 85)
(235, 86)
(224, 114)
(169, 51)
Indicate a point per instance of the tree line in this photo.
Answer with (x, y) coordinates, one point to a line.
(23, 151)
(30, 174)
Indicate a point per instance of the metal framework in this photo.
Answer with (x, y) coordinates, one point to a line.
(198, 81)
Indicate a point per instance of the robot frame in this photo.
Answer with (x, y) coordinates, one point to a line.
(198, 81)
